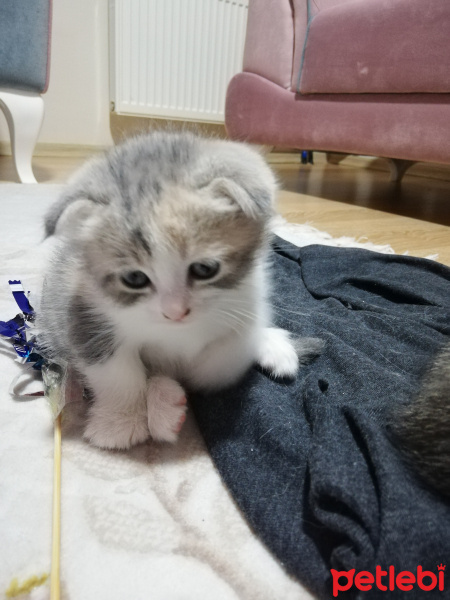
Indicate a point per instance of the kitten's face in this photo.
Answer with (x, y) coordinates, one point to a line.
(178, 262)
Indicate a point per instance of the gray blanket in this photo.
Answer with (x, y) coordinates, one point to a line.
(311, 462)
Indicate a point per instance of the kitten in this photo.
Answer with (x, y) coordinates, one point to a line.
(160, 281)
(423, 427)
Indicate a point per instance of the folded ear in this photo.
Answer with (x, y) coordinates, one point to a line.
(83, 196)
(256, 201)
(68, 216)
(236, 172)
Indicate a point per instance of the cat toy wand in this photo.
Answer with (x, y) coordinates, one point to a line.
(60, 388)
(56, 515)
(52, 378)
(55, 377)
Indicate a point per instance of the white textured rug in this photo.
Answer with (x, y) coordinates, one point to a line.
(155, 522)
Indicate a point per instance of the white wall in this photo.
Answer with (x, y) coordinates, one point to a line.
(77, 101)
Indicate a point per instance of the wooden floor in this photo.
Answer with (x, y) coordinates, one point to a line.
(354, 198)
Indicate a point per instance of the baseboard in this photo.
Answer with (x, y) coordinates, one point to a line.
(283, 158)
(57, 150)
(273, 155)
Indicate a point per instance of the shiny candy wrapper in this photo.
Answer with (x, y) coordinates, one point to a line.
(20, 329)
(60, 382)
(54, 378)
(21, 299)
(61, 386)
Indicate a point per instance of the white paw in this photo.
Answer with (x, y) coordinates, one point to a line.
(277, 354)
(116, 430)
(166, 404)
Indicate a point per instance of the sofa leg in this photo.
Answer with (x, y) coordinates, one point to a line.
(398, 168)
(334, 158)
(24, 113)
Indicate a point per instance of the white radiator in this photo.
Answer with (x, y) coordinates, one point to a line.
(174, 58)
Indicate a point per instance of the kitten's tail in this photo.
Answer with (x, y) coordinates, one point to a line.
(307, 349)
(423, 427)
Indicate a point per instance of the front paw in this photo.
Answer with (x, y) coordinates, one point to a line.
(276, 353)
(166, 403)
(116, 430)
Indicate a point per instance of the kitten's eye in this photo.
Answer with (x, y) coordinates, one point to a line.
(205, 270)
(135, 280)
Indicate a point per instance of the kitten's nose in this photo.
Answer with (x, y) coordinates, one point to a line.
(177, 315)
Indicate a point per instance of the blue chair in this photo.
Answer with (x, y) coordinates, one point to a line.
(25, 30)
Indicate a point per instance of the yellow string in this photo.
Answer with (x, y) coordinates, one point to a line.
(16, 589)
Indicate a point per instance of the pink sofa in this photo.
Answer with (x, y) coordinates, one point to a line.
(365, 77)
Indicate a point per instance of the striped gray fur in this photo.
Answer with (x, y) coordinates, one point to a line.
(423, 426)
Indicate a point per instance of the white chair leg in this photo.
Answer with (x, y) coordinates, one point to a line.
(24, 113)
